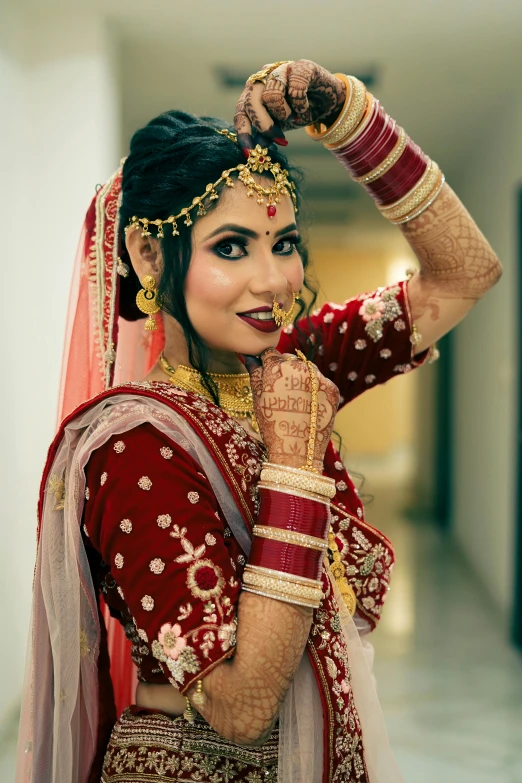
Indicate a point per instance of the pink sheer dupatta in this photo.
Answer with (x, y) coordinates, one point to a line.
(101, 349)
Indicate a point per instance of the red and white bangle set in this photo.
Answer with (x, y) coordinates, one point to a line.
(378, 154)
(291, 536)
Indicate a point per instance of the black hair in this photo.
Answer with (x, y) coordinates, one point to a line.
(171, 161)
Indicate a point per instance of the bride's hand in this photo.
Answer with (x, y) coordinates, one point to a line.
(296, 94)
(282, 400)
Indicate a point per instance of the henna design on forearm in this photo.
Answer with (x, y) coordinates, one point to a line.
(456, 260)
(243, 696)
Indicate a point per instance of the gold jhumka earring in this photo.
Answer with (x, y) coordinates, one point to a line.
(284, 317)
(148, 302)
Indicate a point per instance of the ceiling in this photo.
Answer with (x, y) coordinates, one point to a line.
(443, 68)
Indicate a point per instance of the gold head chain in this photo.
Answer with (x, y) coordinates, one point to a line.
(258, 162)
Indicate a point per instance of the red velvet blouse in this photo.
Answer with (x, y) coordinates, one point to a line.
(160, 548)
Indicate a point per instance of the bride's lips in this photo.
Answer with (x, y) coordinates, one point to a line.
(262, 326)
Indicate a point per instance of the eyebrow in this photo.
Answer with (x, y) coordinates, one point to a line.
(247, 232)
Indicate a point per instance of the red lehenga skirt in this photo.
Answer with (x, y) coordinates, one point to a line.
(151, 747)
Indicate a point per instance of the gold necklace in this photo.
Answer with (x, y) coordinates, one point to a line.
(234, 390)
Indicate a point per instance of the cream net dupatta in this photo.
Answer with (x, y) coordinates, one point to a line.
(60, 710)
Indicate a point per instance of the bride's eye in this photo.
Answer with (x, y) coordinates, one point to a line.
(229, 249)
(285, 247)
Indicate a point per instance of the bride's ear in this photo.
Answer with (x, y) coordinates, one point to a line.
(144, 253)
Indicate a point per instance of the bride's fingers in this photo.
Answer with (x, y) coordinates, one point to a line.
(274, 99)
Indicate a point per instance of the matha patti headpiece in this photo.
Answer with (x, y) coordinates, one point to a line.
(258, 162)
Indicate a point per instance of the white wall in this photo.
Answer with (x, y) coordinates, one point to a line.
(59, 137)
(486, 362)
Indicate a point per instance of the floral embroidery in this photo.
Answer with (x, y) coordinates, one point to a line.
(118, 561)
(143, 635)
(120, 593)
(145, 483)
(379, 309)
(372, 309)
(171, 640)
(359, 512)
(166, 453)
(333, 366)
(205, 579)
(164, 520)
(184, 612)
(210, 539)
(370, 379)
(342, 486)
(157, 566)
(385, 353)
(193, 497)
(227, 635)
(288, 329)
(86, 531)
(87, 493)
(343, 327)
(148, 603)
(190, 553)
(352, 376)
(399, 325)
(119, 446)
(402, 368)
(126, 525)
(328, 318)
(103, 478)
(180, 658)
(338, 465)
(360, 345)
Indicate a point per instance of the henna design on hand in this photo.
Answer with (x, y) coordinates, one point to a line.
(302, 93)
(282, 399)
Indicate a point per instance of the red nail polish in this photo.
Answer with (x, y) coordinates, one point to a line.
(281, 142)
(246, 152)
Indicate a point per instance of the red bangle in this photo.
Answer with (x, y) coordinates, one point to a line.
(291, 512)
(354, 156)
(288, 558)
(369, 149)
(401, 178)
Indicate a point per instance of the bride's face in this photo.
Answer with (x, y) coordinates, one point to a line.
(241, 260)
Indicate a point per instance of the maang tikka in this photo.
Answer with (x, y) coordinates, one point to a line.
(147, 300)
(259, 163)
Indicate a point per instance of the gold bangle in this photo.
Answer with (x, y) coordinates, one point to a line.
(290, 537)
(298, 493)
(299, 479)
(389, 161)
(425, 205)
(282, 597)
(282, 575)
(358, 130)
(415, 197)
(291, 589)
(350, 116)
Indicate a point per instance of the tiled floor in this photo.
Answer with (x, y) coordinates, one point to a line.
(450, 686)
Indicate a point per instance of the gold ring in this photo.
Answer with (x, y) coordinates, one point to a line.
(264, 73)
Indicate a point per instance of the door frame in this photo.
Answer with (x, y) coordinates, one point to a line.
(517, 597)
